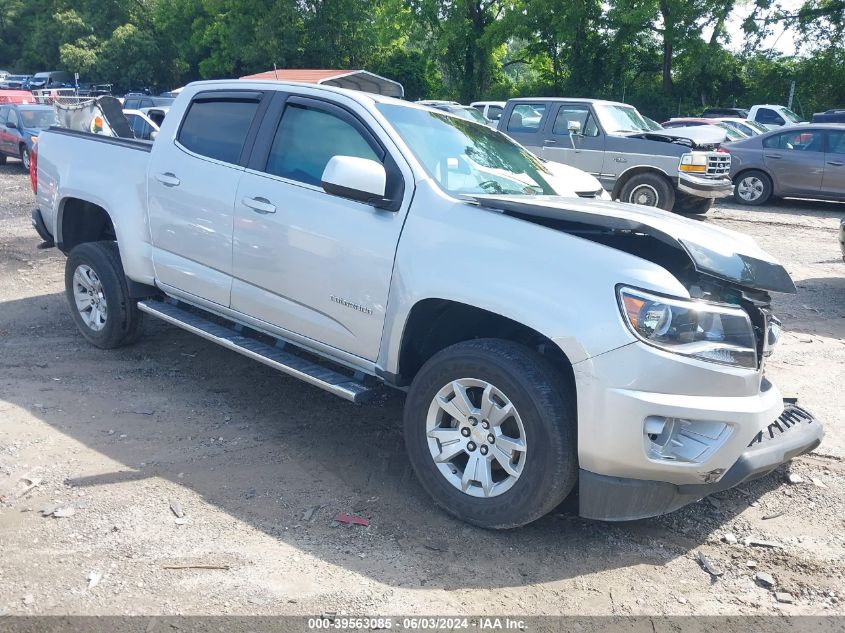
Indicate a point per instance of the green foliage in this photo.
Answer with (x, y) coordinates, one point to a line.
(667, 57)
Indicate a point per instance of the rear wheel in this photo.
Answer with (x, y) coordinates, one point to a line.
(752, 187)
(692, 205)
(650, 190)
(490, 428)
(96, 290)
(25, 157)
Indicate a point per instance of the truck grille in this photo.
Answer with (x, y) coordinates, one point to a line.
(718, 164)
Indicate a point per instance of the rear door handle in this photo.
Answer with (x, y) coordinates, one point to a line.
(259, 205)
(776, 156)
(835, 163)
(168, 179)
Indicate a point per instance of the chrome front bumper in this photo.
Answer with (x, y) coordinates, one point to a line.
(705, 187)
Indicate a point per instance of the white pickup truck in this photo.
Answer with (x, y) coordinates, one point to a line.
(352, 240)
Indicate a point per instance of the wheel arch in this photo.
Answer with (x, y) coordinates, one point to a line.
(629, 173)
(79, 221)
(434, 324)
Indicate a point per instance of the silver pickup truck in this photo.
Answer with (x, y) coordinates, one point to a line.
(352, 241)
(677, 170)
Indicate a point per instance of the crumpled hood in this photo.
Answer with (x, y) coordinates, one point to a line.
(714, 251)
(697, 135)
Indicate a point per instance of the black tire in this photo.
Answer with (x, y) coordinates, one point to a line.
(123, 321)
(25, 158)
(746, 180)
(545, 401)
(651, 190)
(692, 205)
(2, 159)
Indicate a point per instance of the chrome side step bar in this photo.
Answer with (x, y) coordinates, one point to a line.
(348, 387)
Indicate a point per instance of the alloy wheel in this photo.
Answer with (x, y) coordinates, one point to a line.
(476, 437)
(90, 297)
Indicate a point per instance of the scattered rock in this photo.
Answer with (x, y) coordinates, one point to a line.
(750, 541)
(764, 579)
(28, 599)
(682, 600)
(708, 566)
(94, 579)
(309, 513)
(63, 512)
(729, 538)
(176, 507)
(752, 564)
(795, 478)
(774, 515)
(818, 482)
(783, 596)
(50, 508)
(180, 521)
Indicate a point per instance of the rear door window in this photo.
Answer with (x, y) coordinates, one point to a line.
(769, 117)
(526, 117)
(836, 143)
(217, 128)
(307, 138)
(798, 140)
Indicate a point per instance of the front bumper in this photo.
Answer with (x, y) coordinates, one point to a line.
(608, 498)
(704, 187)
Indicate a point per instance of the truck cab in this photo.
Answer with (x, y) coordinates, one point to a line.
(612, 141)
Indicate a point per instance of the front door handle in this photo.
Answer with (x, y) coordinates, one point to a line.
(259, 205)
(168, 179)
(776, 156)
(835, 163)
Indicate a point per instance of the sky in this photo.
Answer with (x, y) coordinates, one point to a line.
(780, 41)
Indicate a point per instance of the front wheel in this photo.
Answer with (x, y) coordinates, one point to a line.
(25, 156)
(752, 187)
(650, 190)
(96, 290)
(490, 429)
(692, 205)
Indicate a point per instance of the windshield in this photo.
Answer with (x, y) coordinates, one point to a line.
(466, 157)
(471, 114)
(620, 118)
(791, 116)
(732, 133)
(761, 129)
(39, 119)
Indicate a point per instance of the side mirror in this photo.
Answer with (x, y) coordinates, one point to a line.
(12, 126)
(574, 127)
(356, 178)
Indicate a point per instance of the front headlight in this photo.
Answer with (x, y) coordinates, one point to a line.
(695, 163)
(716, 333)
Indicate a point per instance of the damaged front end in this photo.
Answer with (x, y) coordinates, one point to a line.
(716, 266)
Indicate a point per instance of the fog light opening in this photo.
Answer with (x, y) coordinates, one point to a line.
(682, 440)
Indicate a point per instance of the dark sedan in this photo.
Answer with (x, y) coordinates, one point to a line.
(806, 161)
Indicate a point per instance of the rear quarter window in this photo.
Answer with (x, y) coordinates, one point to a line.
(526, 117)
(217, 128)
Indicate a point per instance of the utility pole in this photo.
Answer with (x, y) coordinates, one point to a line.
(791, 94)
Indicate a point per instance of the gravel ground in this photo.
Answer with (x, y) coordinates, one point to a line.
(116, 437)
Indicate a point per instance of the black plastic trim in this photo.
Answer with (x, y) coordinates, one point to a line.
(41, 229)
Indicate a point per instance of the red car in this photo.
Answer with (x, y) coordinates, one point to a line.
(16, 97)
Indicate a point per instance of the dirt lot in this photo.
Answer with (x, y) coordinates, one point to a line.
(248, 454)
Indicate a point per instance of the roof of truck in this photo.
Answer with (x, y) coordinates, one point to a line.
(568, 100)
